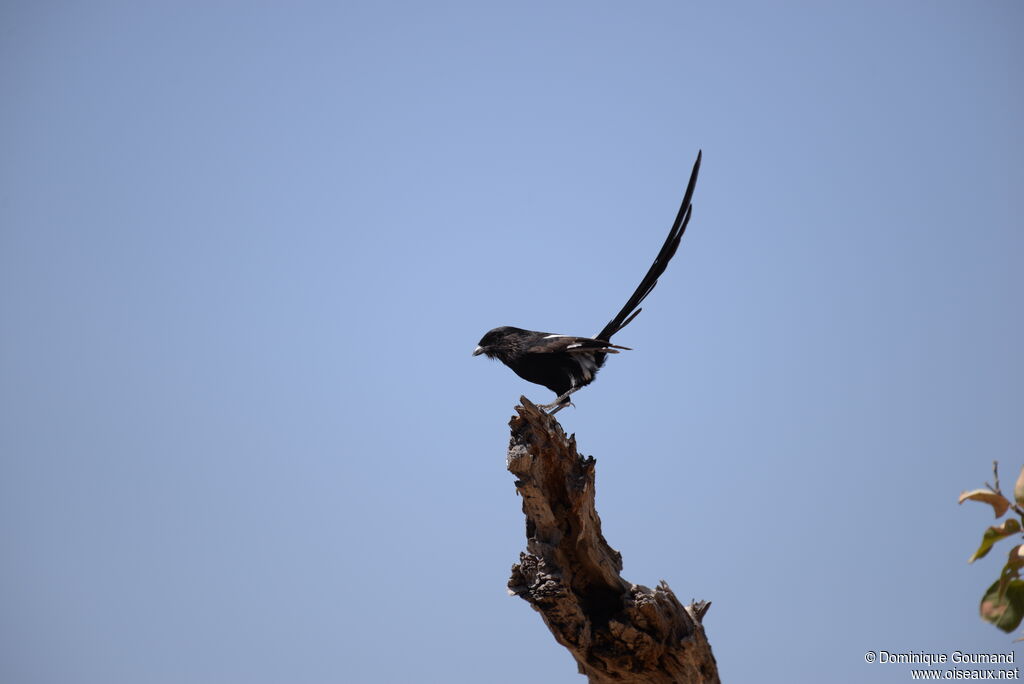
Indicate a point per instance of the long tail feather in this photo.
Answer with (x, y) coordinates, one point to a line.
(630, 310)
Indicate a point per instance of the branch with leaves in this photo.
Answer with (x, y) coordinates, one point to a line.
(1003, 602)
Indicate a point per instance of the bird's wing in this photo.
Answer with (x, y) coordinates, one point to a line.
(630, 310)
(553, 344)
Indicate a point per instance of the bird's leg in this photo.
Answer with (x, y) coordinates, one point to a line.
(559, 403)
(560, 407)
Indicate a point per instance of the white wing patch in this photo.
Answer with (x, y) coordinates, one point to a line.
(548, 337)
(587, 364)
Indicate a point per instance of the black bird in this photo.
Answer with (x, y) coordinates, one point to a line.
(564, 363)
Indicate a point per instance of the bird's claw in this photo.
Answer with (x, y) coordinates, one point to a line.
(559, 403)
(559, 407)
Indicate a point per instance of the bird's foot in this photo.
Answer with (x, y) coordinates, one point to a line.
(559, 403)
(559, 407)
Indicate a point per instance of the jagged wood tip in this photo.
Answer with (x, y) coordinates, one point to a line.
(616, 631)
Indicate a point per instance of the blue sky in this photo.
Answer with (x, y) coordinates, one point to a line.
(247, 249)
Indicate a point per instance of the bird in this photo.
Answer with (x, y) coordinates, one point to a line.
(567, 363)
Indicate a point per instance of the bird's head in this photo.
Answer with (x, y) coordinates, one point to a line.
(498, 343)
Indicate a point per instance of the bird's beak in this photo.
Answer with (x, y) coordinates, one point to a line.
(478, 351)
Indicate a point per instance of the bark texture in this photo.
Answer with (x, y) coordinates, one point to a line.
(617, 631)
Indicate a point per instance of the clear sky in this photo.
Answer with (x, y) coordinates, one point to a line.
(246, 250)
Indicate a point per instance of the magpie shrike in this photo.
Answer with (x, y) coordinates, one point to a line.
(564, 363)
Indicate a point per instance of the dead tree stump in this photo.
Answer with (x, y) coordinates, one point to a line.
(617, 631)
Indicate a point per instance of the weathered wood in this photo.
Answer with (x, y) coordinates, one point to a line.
(617, 631)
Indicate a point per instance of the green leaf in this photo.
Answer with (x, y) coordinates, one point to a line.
(994, 534)
(1004, 611)
(1011, 571)
(998, 502)
(1018, 491)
